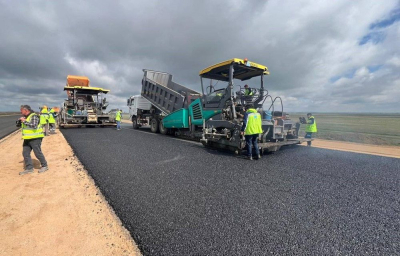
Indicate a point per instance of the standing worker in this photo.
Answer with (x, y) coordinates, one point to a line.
(32, 134)
(251, 129)
(52, 121)
(311, 127)
(44, 119)
(118, 118)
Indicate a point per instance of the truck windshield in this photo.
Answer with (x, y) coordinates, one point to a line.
(214, 90)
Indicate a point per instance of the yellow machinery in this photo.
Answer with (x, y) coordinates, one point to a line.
(85, 105)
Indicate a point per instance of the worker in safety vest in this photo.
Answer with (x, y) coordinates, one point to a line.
(247, 91)
(32, 134)
(44, 120)
(251, 128)
(52, 121)
(118, 119)
(311, 127)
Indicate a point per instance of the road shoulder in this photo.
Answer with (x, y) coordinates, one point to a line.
(387, 151)
(59, 212)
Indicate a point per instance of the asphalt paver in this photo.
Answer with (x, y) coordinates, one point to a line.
(178, 198)
(8, 125)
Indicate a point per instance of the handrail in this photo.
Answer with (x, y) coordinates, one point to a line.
(273, 102)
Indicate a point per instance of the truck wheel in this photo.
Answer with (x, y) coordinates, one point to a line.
(134, 123)
(163, 130)
(154, 125)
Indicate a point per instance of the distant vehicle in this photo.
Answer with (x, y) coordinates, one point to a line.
(85, 105)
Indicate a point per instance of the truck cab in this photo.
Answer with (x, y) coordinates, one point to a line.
(139, 110)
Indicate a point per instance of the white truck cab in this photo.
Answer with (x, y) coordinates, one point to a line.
(137, 102)
(139, 107)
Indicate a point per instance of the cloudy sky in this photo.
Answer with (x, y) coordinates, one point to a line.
(326, 56)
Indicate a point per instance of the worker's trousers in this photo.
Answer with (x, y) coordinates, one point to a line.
(308, 136)
(35, 145)
(251, 140)
(52, 127)
(118, 125)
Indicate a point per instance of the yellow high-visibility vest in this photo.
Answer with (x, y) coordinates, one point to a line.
(51, 117)
(311, 127)
(118, 116)
(248, 92)
(29, 133)
(254, 122)
(44, 116)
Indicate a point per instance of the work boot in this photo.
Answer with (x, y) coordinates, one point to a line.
(250, 157)
(26, 171)
(43, 169)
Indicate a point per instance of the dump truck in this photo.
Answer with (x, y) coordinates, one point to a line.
(215, 116)
(85, 105)
(160, 97)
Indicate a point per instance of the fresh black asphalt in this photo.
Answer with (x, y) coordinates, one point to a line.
(179, 198)
(7, 125)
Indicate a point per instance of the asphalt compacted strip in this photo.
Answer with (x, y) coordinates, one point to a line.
(8, 124)
(179, 198)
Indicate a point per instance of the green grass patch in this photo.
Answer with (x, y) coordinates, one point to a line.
(378, 129)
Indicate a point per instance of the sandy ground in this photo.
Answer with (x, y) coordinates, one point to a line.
(59, 212)
(388, 151)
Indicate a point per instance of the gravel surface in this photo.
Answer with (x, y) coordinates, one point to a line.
(178, 198)
(7, 125)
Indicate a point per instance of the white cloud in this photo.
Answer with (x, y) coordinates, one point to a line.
(395, 61)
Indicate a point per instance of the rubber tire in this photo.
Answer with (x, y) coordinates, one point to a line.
(134, 123)
(163, 130)
(154, 125)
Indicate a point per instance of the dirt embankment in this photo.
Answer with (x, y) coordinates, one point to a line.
(59, 212)
(388, 151)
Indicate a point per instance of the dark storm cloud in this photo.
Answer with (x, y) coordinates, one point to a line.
(303, 44)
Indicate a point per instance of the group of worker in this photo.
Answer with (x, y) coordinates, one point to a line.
(48, 119)
(252, 127)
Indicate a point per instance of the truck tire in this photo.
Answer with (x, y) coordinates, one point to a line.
(134, 123)
(163, 130)
(154, 125)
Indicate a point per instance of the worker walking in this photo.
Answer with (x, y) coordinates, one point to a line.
(52, 121)
(32, 134)
(44, 119)
(311, 127)
(251, 128)
(118, 119)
